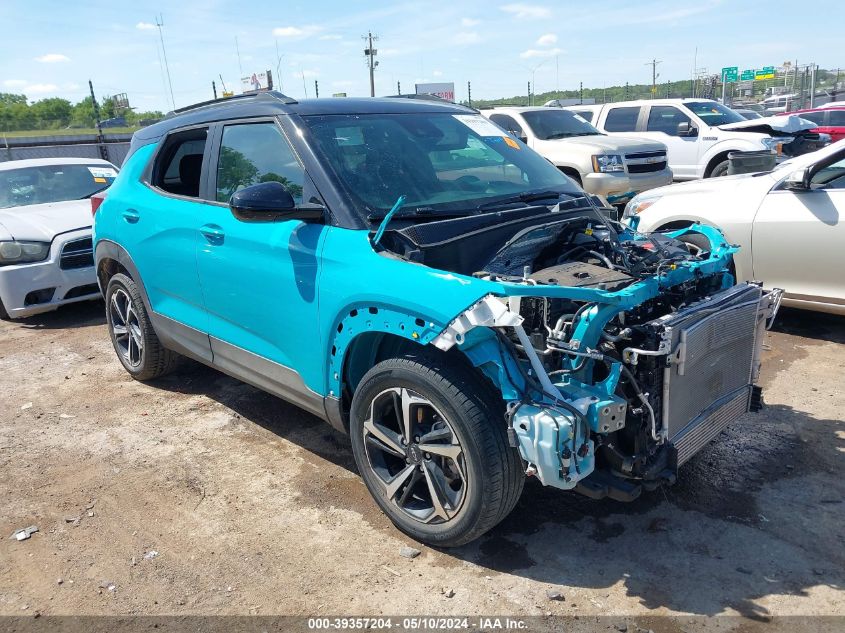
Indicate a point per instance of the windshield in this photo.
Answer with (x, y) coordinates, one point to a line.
(552, 124)
(52, 183)
(713, 113)
(441, 162)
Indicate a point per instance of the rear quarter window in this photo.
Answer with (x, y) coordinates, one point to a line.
(622, 119)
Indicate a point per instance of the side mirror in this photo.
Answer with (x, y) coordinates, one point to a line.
(522, 136)
(269, 201)
(685, 129)
(798, 180)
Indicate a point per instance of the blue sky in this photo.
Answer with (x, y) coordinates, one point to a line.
(52, 48)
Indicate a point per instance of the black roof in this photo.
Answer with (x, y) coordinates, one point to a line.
(274, 103)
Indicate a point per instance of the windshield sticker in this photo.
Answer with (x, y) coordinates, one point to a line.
(511, 143)
(97, 179)
(479, 124)
(102, 172)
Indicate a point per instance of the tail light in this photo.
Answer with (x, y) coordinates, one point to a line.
(97, 200)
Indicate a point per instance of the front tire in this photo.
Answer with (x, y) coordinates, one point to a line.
(430, 442)
(132, 335)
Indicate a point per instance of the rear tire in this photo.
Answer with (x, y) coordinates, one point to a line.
(132, 334)
(449, 476)
(720, 169)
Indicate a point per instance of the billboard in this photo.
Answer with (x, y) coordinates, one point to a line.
(257, 81)
(442, 90)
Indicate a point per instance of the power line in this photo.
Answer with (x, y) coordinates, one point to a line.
(160, 24)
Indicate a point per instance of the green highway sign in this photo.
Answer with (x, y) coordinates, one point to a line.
(767, 72)
(747, 75)
(729, 73)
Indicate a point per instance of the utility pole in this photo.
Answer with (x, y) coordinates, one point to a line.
(371, 53)
(238, 53)
(104, 153)
(398, 88)
(469, 93)
(653, 63)
(581, 92)
(627, 91)
(529, 93)
(214, 89)
(160, 24)
(316, 89)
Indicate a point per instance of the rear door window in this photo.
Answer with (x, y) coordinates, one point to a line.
(836, 118)
(815, 117)
(178, 166)
(622, 119)
(508, 123)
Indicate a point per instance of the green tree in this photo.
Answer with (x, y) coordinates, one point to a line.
(52, 113)
(83, 114)
(234, 171)
(294, 189)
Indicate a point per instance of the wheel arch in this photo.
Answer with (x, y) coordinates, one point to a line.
(111, 258)
(366, 336)
(736, 262)
(572, 173)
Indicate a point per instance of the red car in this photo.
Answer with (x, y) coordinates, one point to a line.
(830, 121)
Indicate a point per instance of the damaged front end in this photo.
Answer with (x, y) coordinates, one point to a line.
(619, 355)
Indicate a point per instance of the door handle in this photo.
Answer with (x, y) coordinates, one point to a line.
(213, 234)
(131, 216)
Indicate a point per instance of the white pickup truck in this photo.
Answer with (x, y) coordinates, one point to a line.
(700, 133)
(607, 166)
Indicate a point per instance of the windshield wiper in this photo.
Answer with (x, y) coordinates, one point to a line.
(419, 212)
(526, 196)
(95, 192)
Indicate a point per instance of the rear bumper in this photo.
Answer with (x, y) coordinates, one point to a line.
(615, 184)
(30, 289)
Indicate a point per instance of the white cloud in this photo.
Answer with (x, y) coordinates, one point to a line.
(331, 37)
(145, 26)
(467, 37)
(31, 89)
(288, 31)
(308, 73)
(547, 40)
(343, 83)
(526, 11)
(437, 73)
(470, 22)
(545, 52)
(15, 83)
(52, 58)
(295, 32)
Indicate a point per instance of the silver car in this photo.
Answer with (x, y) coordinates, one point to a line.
(789, 223)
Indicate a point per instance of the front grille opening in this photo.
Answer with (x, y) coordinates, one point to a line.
(645, 168)
(45, 295)
(81, 291)
(77, 254)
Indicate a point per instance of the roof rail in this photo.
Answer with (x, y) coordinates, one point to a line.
(267, 94)
(423, 97)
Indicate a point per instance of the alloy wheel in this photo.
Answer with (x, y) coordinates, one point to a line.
(416, 455)
(126, 328)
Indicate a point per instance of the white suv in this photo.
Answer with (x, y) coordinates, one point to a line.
(700, 133)
(602, 165)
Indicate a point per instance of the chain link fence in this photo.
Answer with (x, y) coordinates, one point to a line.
(113, 147)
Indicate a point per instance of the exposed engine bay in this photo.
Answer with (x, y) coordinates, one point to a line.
(623, 354)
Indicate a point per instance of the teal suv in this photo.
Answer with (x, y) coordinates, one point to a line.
(427, 284)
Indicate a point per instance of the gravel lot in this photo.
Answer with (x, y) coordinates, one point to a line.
(198, 494)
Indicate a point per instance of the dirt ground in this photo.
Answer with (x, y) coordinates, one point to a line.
(197, 494)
